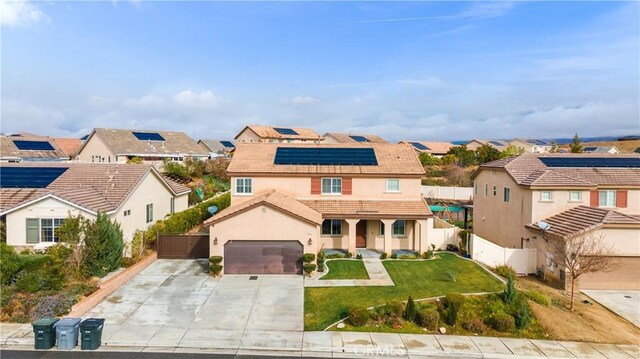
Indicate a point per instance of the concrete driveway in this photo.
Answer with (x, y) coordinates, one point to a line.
(625, 303)
(176, 303)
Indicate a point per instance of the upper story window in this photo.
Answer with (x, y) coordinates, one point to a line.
(332, 186)
(575, 196)
(607, 198)
(399, 228)
(495, 191)
(546, 196)
(244, 186)
(332, 227)
(475, 187)
(149, 211)
(507, 195)
(393, 185)
(486, 190)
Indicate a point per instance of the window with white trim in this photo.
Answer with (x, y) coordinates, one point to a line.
(607, 198)
(332, 227)
(575, 196)
(399, 228)
(172, 205)
(546, 196)
(43, 229)
(393, 185)
(486, 190)
(332, 186)
(495, 191)
(244, 186)
(506, 196)
(149, 211)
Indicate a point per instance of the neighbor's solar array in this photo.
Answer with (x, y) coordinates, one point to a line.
(360, 138)
(227, 144)
(148, 136)
(497, 143)
(591, 162)
(325, 156)
(419, 146)
(536, 142)
(590, 148)
(285, 131)
(33, 145)
(29, 177)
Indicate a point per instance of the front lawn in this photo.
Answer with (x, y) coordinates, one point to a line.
(346, 269)
(420, 279)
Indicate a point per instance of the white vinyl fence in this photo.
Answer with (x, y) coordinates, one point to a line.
(443, 233)
(453, 193)
(523, 261)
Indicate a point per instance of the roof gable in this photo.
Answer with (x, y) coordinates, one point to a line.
(125, 142)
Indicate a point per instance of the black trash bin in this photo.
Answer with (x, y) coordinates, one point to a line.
(91, 333)
(45, 334)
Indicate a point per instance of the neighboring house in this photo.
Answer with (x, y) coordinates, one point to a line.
(257, 133)
(601, 149)
(70, 146)
(36, 198)
(531, 145)
(107, 145)
(29, 147)
(437, 149)
(334, 137)
(499, 145)
(217, 147)
(575, 194)
(290, 199)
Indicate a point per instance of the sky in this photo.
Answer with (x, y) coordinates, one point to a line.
(401, 70)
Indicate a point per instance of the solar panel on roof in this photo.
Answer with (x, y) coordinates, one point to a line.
(325, 156)
(360, 138)
(33, 145)
(536, 142)
(496, 143)
(419, 146)
(227, 144)
(621, 162)
(29, 177)
(589, 149)
(148, 136)
(285, 131)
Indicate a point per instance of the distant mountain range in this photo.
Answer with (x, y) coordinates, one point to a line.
(582, 139)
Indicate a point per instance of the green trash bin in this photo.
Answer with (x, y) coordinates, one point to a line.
(45, 334)
(91, 333)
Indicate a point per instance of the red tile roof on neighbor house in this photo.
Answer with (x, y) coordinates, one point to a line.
(528, 170)
(269, 132)
(582, 219)
(348, 137)
(70, 146)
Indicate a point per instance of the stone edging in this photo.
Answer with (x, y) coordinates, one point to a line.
(110, 286)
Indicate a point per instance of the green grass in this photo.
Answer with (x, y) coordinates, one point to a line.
(420, 279)
(346, 269)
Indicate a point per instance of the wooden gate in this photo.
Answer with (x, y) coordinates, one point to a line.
(183, 246)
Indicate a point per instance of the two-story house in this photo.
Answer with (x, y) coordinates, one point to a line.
(433, 148)
(530, 145)
(290, 199)
(576, 194)
(258, 133)
(337, 137)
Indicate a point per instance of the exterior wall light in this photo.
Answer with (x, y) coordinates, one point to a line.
(310, 241)
(215, 241)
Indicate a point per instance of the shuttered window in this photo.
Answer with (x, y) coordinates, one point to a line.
(33, 230)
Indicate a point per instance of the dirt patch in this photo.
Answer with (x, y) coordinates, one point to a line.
(588, 323)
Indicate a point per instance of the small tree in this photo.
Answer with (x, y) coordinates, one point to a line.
(457, 176)
(73, 232)
(104, 246)
(486, 153)
(427, 159)
(580, 255)
(576, 145)
(465, 157)
(554, 147)
(510, 292)
(511, 151)
(410, 310)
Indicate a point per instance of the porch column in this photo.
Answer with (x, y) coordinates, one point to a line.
(421, 234)
(388, 230)
(352, 234)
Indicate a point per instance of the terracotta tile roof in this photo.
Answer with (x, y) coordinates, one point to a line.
(582, 219)
(269, 132)
(346, 137)
(437, 148)
(96, 187)
(123, 142)
(9, 150)
(528, 170)
(70, 146)
(371, 208)
(272, 198)
(258, 158)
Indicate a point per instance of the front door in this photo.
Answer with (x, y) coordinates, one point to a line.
(361, 234)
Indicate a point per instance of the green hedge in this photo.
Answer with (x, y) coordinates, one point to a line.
(183, 221)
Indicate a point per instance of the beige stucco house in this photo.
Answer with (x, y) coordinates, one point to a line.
(499, 145)
(36, 198)
(530, 145)
(290, 199)
(336, 137)
(434, 148)
(270, 134)
(108, 145)
(576, 194)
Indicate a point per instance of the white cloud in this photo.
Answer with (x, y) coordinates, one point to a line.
(189, 98)
(21, 13)
(146, 102)
(302, 101)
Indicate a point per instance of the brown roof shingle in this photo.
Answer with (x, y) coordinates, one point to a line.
(378, 209)
(269, 132)
(123, 142)
(436, 148)
(70, 146)
(346, 137)
(8, 148)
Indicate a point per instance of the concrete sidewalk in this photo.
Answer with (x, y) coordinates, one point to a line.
(378, 276)
(353, 344)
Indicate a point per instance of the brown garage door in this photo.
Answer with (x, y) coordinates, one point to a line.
(625, 275)
(263, 257)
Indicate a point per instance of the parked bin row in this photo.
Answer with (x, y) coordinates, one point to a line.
(65, 332)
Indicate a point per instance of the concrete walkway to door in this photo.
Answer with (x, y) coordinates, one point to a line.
(378, 276)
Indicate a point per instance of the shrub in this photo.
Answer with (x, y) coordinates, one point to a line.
(503, 322)
(521, 312)
(538, 297)
(9, 263)
(335, 256)
(215, 269)
(103, 247)
(6, 294)
(217, 167)
(53, 306)
(394, 256)
(408, 256)
(36, 281)
(473, 324)
(359, 256)
(410, 310)
(175, 169)
(427, 255)
(308, 268)
(428, 318)
(135, 159)
(452, 247)
(505, 271)
(349, 254)
(383, 255)
(451, 315)
(359, 316)
(393, 309)
(215, 259)
(510, 291)
(308, 257)
(82, 289)
(453, 302)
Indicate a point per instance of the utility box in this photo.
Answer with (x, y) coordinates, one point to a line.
(45, 336)
(91, 333)
(67, 330)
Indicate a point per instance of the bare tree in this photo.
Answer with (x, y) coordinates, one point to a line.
(579, 255)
